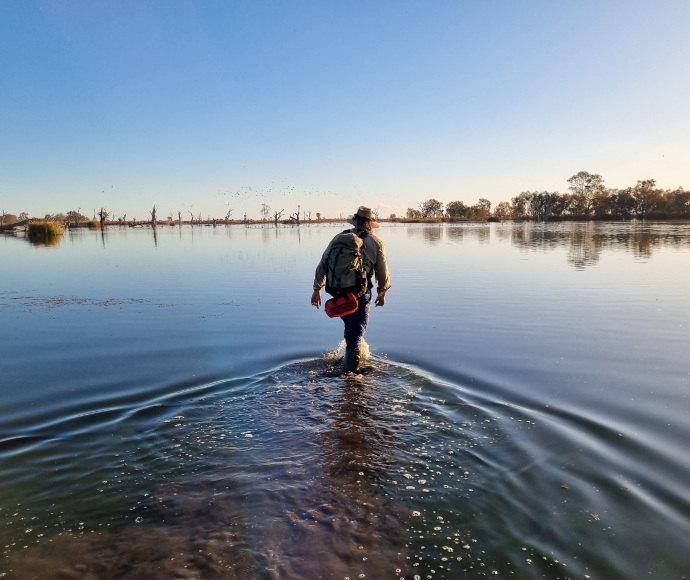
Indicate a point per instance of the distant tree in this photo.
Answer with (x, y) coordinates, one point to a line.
(558, 205)
(153, 216)
(8, 218)
(276, 216)
(431, 208)
(413, 213)
(392, 217)
(646, 197)
(295, 216)
(519, 205)
(318, 216)
(265, 211)
(228, 214)
(503, 211)
(602, 204)
(678, 203)
(540, 205)
(585, 187)
(456, 209)
(74, 217)
(622, 203)
(103, 216)
(484, 207)
(23, 216)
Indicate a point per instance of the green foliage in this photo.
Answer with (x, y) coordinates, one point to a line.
(456, 209)
(503, 211)
(431, 208)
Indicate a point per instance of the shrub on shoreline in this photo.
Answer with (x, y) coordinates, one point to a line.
(44, 232)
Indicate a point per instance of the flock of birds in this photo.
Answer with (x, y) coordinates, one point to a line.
(279, 190)
(274, 192)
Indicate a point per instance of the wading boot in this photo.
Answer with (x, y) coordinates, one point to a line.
(351, 361)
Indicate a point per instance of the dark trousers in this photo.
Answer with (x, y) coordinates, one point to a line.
(356, 323)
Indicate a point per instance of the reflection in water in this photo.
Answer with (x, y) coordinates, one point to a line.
(584, 242)
(268, 234)
(46, 242)
(583, 249)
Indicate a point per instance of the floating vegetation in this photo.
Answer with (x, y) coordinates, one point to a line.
(45, 233)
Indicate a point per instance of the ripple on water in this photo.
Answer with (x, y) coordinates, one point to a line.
(302, 472)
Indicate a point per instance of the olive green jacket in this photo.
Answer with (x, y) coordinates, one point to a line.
(374, 258)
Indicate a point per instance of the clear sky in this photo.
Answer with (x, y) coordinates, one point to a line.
(214, 105)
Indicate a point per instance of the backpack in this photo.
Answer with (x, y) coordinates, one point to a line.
(344, 265)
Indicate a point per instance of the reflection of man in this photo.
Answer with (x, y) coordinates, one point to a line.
(374, 258)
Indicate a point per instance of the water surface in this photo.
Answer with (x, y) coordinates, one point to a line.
(171, 406)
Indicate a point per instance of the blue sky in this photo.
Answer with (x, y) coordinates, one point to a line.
(208, 106)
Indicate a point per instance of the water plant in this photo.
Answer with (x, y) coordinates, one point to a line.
(45, 232)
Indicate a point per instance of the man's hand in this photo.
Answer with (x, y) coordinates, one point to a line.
(380, 299)
(316, 298)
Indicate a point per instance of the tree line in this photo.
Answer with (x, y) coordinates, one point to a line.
(587, 198)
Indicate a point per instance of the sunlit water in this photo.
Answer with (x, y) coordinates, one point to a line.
(171, 406)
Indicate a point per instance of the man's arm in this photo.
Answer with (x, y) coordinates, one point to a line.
(383, 278)
(320, 277)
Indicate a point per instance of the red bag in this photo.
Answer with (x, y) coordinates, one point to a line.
(342, 305)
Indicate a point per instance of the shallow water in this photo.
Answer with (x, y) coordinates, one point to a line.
(171, 406)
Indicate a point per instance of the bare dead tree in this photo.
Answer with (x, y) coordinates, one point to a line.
(153, 216)
(103, 216)
(227, 216)
(191, 218)
(179, 218)
(296, 216)
(276, 216)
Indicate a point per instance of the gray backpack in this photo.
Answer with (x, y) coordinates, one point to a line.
(345, 267)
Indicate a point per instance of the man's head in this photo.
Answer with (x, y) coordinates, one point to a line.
(364, 219)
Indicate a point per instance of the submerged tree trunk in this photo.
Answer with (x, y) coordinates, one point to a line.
(14, 225)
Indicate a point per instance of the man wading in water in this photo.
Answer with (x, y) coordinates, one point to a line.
(374, 261)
